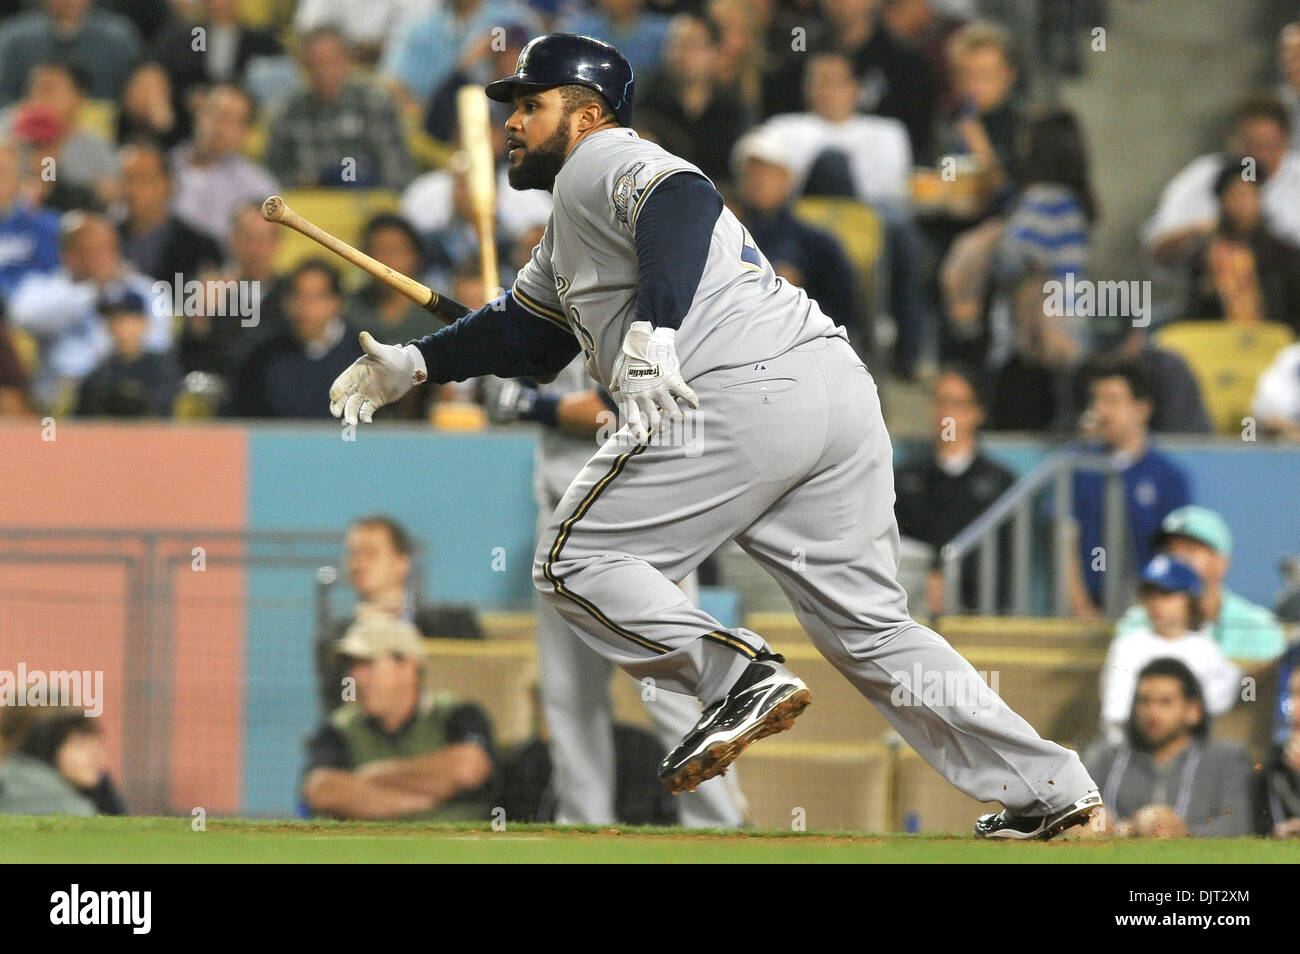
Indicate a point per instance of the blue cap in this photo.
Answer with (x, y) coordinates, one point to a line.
(119, 299)
(1170, 575)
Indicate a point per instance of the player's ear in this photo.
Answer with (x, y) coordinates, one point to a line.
(590, 115)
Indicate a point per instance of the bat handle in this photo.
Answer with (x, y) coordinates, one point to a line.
(445, 309)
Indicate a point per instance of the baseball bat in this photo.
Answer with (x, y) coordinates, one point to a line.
(446, 310)
(476, 140)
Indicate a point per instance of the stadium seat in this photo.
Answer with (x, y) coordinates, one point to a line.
(925, 803)
(255, 145)
(816, 787)
(857, 227)
(463, 416)
(1227, 359)
(262, 14)
(341, 212)
(496, 675)
(429, 153)
(99, 116)
(508, 625)
(26, 348)
(862, 234)
(1054, 688)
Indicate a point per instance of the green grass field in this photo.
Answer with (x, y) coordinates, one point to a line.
(171, 841)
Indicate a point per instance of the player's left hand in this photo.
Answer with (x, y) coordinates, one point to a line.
(648, 379)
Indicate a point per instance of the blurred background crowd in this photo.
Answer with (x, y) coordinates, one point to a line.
(912, 163)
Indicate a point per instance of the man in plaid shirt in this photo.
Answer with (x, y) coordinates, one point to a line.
(340, 131)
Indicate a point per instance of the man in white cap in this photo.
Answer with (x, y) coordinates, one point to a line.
(766, 175)
(395, 750)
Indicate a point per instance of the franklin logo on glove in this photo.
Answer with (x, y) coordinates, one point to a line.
(648, 379)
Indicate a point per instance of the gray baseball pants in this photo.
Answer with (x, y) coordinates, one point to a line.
(574, 683)
(791, 458)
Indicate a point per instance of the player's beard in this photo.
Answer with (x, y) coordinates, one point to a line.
(539, 167)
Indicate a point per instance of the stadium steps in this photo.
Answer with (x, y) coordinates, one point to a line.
(1157, 97)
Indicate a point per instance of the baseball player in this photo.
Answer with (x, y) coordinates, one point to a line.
(644, 272)
(573, 678)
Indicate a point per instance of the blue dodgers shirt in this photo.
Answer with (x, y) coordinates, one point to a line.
(1153, 486)
(29, 242)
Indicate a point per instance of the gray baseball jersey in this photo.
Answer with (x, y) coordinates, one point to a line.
(583, 273)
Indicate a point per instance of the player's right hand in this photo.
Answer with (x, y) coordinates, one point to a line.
(648, 379)
(380, 376)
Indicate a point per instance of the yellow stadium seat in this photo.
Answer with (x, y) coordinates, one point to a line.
(26, 348)
(341, 212)
(857, 227)
(841, 764)
(99, 116)
(862, 235)
(255, 145)
(1227, 359)
(429, 153)
(261, 14)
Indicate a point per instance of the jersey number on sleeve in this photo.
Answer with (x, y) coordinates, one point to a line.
(749, 256)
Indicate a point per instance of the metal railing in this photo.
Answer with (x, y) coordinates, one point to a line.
(150, 561)
(1014, 511)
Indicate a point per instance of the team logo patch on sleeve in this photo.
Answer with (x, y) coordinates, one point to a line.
(625, 192)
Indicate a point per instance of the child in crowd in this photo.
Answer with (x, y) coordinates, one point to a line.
(1170, 592)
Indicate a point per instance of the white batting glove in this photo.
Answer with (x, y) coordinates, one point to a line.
(380, 376)
(648, 379)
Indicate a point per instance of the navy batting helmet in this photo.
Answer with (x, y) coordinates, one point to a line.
(559, 59)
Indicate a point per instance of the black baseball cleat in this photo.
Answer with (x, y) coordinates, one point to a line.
(765, 700)
(1009, 824)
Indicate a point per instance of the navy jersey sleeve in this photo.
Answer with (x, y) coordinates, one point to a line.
(674, 230)
(504, 338)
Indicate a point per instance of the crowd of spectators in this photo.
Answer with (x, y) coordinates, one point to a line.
(168, 121)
